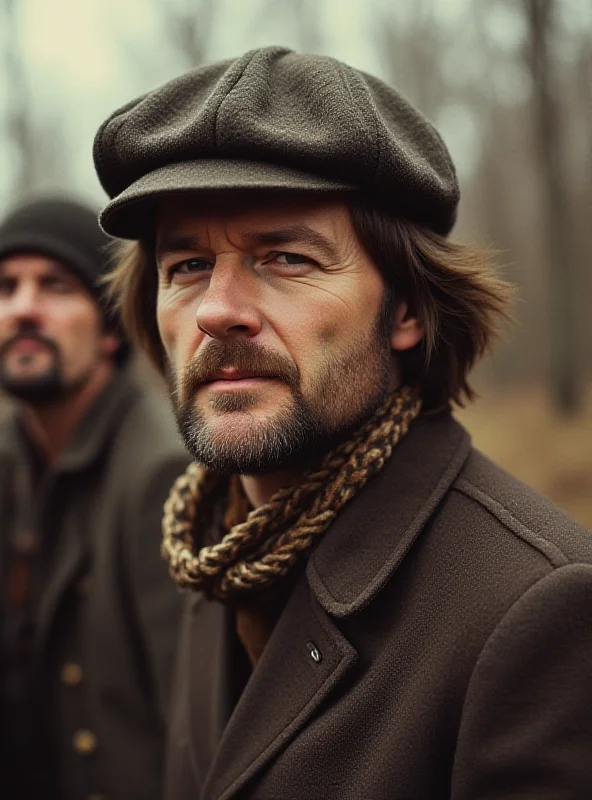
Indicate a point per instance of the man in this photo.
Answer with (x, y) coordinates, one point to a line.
(375, 610)
(88, 614)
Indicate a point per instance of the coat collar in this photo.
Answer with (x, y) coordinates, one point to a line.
(92, 433)
(362, 549)
(89, 442)
(354, 560)
(104, 414)
(284, 692)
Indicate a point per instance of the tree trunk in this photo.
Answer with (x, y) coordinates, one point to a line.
(18, 123)
(549, 137)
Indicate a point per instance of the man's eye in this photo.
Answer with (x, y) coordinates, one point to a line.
(58, 286)
(191, 266)
(291, 259)
(6, 287)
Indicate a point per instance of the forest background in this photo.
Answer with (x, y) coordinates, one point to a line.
(507, 82)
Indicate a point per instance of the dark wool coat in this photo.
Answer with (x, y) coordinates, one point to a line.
(438, 646)
(107, 617)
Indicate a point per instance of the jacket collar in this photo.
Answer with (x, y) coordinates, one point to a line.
(104, 414)
(354, 560)
(92, 433)
(362, 549)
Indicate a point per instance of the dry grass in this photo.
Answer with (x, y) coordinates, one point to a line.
(520, 431)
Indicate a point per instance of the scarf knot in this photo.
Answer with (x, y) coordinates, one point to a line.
(257, 552)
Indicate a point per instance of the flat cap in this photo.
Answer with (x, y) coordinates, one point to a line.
(273, 120)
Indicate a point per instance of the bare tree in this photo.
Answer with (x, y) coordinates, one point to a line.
(38, 144)
(188, 25)
(306, 18)
(411, 55)
(548, 131)
(18, 125)
(302, 16)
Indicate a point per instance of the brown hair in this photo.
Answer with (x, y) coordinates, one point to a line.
(450, 287)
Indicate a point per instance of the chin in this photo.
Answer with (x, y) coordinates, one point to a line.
(234, 427)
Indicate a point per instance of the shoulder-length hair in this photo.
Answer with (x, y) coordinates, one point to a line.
(451, 288)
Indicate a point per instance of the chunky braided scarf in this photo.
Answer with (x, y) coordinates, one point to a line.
(254, 554)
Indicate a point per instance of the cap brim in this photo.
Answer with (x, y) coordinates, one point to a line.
(130, 214)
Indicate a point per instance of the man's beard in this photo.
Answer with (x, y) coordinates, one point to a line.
(348, 389)
(41, 388)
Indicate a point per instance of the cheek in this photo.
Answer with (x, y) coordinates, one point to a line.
(77, 326)
(330, 333)
(177, 328)
(334, 323)
(78, 332)
(314, 335)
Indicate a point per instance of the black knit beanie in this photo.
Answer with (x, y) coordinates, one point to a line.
(68, 232)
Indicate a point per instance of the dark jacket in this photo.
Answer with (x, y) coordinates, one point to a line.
(438, 646)
(106, 618)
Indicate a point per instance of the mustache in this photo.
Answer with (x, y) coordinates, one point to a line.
(243, 355)
(29, 332)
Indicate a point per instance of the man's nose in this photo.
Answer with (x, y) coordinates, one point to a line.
(25, 302)
(229, 308)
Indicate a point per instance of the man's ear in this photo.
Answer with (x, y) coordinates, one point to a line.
(407, 329)
(110, 344)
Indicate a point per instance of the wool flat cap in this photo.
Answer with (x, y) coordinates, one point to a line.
(273, 120)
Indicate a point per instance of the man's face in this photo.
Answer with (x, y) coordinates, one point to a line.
(270, 316)
(51, 337)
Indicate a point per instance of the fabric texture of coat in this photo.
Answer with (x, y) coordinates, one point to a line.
(439, 645)
(107, 615)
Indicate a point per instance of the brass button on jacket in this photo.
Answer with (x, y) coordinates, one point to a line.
(85, 742)
(71, 674)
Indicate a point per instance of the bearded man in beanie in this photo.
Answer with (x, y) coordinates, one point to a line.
(88, 615)
(374, 610)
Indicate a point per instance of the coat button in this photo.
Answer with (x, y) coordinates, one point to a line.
(71, 674)
(314, 652)
(85, 742)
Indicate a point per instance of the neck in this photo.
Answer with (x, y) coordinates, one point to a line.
(51, 425)
(261, 488)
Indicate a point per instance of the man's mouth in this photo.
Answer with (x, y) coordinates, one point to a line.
(230, 378)
(27, 345)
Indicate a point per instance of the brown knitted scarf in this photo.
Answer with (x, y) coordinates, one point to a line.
(256, 553)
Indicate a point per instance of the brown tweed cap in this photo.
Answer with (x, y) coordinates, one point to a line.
(273, 120)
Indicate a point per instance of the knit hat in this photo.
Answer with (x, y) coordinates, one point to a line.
(68, 232)
(273, 120)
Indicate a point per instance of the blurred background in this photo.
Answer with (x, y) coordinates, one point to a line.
(507, 82)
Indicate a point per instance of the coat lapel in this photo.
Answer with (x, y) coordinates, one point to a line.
(8, 448)
(307, 656)
(364, 547)
(304, 660)
(66, 562)
(211, 662)
(70, 550)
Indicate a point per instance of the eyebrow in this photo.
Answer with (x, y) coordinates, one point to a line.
(176, 243)
(291, 234)
(303, 234)
(50, 271)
